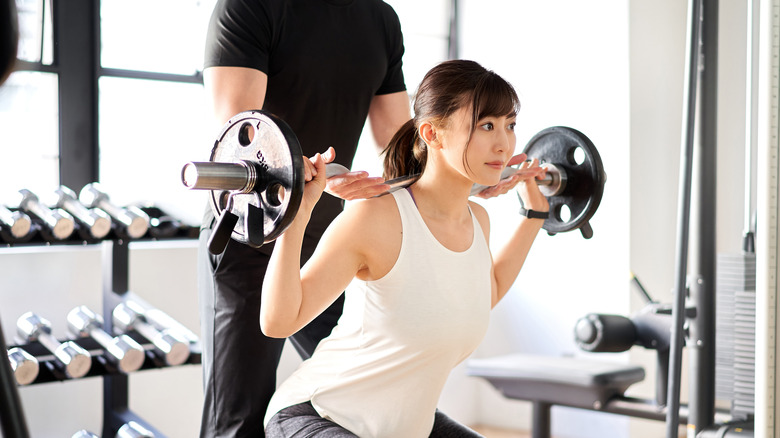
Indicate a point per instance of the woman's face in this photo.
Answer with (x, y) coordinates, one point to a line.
(487, 153)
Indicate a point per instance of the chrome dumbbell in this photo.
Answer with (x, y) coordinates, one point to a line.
(174, 347)
(132, 429)
(15, 226)
(162, 321)
(131, 221)
(58, 224)
(77, 361)
(24, 365)
(122, 350)
(95, 222)
(83, 433)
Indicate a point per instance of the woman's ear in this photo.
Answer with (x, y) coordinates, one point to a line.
(428, 134)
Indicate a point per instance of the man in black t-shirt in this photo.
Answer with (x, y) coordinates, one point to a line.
(322, 66)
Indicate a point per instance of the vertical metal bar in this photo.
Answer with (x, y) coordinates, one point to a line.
(541, 420)
(751, 119)
(453, 43)
(701, 336)
(683, 215)
(12, 422)
(116, 260)
(768, 224)
(76, 56)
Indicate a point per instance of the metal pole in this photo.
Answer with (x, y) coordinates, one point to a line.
(12, 421)
(701, 336)
(683, 215)
(453, 43)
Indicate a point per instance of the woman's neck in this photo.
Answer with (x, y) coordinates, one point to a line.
(442, 196)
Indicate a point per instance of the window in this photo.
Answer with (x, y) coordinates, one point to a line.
(149, 128)
(147, 115)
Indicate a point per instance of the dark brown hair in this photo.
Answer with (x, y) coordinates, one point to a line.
(445, 89)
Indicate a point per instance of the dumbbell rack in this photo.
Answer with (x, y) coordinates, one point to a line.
(116, 412)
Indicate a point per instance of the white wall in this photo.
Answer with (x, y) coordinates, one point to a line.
(568, 61)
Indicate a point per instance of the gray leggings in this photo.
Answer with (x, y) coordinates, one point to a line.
(301, 420)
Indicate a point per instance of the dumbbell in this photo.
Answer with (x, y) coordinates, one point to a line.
(132, 429)
(122, 350)
(15, 226)
(83, 433)
(24, 365)
(58, 224)
(161, 225)
(95, 222)
(161, 320)
(77, 361)
(174, 347)
(131, 221)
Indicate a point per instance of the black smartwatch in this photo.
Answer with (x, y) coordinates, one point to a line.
(533, 214)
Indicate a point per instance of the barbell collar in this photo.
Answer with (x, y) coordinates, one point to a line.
(554, 181)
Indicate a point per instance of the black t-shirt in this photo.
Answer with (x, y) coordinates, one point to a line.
(325, 61)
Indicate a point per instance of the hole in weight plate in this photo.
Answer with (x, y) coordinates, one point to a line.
(246, 134)
(275, 194)
(223, 200)
(577, 156)
(563, 213)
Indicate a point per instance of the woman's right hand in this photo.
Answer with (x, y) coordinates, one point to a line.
(315, 178)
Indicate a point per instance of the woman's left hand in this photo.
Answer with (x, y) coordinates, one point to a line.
(528, 189)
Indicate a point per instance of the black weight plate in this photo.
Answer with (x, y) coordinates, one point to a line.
(262, 138)
(585, 185)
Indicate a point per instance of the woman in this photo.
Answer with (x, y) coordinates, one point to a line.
(425, 279)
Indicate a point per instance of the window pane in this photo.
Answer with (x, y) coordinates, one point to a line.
(35, 37)
(148, 131)
(29, 134)
(165, 36)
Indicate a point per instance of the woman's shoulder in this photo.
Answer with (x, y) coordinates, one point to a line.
(373, 211)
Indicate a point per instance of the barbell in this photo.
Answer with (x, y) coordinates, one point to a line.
(255, 176)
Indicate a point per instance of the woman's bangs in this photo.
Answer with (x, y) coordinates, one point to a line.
(496, 98)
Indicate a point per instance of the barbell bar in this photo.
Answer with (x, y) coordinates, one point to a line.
(255, 176)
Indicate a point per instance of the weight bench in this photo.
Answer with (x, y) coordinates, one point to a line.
(565, 381)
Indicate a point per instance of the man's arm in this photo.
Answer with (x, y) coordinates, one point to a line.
(232, 90)
(387, 113)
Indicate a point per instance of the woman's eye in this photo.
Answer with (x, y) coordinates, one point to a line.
(511, 126)
(487, 126)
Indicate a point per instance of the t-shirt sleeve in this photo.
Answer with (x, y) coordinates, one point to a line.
(394, 78)
(240, 34)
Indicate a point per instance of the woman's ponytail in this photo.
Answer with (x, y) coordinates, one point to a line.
(406, 154)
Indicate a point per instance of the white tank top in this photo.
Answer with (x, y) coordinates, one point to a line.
(381, 371)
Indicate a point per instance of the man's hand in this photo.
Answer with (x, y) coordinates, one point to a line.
(353, 185)
(507, 184)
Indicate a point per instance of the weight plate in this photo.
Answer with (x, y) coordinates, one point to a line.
(262, 138)
(574, 154)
